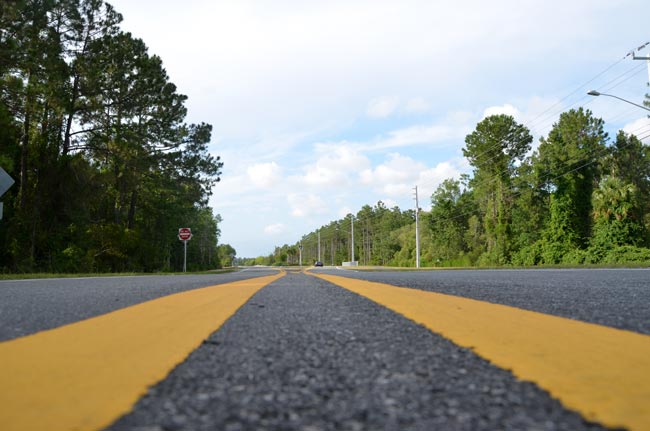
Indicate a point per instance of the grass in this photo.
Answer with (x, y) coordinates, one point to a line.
(451, 268)
(30, 276)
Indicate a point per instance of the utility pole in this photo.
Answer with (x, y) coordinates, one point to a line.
(417, 229)
(352, 234)
(319, 245)
(300, 252)
(647, 58)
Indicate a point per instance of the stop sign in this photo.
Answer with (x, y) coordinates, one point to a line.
(184, 233)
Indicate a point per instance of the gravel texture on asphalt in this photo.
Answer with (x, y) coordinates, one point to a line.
(29, 306)
(304, 354)
(619, 298)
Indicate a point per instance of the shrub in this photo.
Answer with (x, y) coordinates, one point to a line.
(627, 254)
(529, 255)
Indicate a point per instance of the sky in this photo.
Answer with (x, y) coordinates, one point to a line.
(321, 107)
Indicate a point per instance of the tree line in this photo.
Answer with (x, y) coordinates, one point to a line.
(578, 198)
(94, 133)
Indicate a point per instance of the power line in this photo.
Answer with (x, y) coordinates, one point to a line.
(532, 124)
(626, 75)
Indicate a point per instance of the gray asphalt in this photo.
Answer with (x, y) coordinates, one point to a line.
(29, 306)
(304, 354)
(619, 298)
(307, 355)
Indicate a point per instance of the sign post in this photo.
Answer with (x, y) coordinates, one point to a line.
(184, 234)
(5, 182)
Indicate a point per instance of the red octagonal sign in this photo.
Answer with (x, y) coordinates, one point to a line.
(184, 234)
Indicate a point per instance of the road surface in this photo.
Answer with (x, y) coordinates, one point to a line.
(293, 351)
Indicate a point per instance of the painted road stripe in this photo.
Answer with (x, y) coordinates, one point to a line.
(85, 375)
(601, 372)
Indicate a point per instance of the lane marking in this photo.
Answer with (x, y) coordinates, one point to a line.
(85, 375)
(601, 372)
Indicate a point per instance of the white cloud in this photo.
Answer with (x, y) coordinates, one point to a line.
(306, 204)
(270, 94)
(415, 135)
(275, 229)
(389, 203)
(444, 131)
(382, 107)
(335, 167)
(640, 127)
(227, 54)
(264, 174)
(397, 177)
(344, 211)
(417, 105)
(435, 134)
(536, 113)
(506, 109)
(394, 177)
(430, 179)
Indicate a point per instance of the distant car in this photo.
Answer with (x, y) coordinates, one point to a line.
(318, 263)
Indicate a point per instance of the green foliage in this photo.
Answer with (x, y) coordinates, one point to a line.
(616, 214)
(578, 257)
(376, 240)
(627, 254)
(93, 132)
(529, 255)
(493, 149)
(574, 201)
(446, 227)
(226, 254)
(630, 162)
(568, 163)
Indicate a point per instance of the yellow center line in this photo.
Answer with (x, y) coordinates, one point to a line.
(85, 375)
(602, 372)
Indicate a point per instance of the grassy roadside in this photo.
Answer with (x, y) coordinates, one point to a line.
(478, 268)
(28, 276)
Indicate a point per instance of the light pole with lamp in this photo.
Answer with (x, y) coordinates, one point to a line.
(597, 93)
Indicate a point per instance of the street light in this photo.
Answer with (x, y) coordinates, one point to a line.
(596, 93)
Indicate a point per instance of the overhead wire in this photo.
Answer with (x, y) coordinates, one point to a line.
(594, 156)
(529, 126)
(587, 162)
(533, 125)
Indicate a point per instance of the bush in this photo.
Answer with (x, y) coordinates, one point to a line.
(577, 257)
(529, 255)
(72, 259)
(554, 252)
(627, 254)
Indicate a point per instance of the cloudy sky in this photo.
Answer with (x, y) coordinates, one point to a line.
(320, 107)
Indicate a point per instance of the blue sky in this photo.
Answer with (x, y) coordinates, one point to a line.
(320, 107)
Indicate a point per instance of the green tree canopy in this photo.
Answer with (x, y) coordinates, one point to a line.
(569, 163)
(493, 149)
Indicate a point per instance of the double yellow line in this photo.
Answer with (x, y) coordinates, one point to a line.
(603, 373)
(85, 375)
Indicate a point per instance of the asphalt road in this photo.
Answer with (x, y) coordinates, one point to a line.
(304, 354)
(619, 298)
(29, 306)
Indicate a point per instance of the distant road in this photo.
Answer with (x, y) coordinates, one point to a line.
(309, 353)
(619, 298)
(28, 306)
